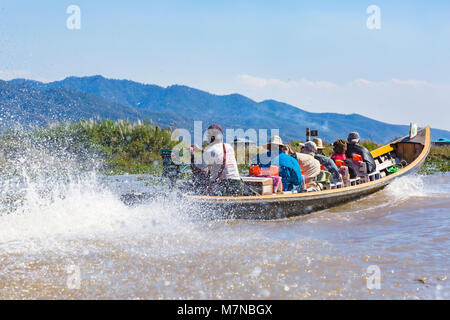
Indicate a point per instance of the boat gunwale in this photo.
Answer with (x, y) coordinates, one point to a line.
(380, 183)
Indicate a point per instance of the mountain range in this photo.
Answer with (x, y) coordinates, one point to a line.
(30, 102)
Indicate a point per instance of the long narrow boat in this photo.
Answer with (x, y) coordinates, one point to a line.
(410, 151)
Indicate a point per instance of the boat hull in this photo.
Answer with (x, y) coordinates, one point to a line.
(287, 205)
(281, 208)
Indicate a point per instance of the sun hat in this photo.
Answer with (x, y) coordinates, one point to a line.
(318, 143)
(311, 146)
(353, 137)
(274, 140)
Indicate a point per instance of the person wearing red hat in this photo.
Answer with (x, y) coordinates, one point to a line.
(218, 172)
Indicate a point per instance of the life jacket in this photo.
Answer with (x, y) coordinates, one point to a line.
(339, 163)
(364, 153)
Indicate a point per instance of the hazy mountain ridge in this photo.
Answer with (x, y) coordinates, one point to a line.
(77, 98)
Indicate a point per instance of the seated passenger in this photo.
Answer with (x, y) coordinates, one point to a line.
(326, 162)
(216, 173)
(353, 147)
(306, 160)
(339, 149)
(290, 171)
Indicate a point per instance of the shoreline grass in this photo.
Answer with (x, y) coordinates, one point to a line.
(438, 160)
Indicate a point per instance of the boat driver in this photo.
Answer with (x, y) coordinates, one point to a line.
(216, 173)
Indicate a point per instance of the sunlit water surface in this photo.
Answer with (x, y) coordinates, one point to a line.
(83, 242)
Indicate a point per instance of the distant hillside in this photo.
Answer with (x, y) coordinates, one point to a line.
(27, 102)
(75, 98)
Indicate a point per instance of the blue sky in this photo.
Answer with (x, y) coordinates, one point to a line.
(317, 55)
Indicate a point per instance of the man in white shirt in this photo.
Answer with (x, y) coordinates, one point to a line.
(217, 170)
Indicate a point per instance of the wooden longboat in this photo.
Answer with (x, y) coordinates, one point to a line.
(410, 151)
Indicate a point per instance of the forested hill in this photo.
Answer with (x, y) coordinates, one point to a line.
(75, 98)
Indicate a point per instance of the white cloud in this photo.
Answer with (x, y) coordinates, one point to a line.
(393, 101)
(259, 82)
(373, 84)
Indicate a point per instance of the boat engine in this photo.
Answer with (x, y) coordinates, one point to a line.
(171, 170)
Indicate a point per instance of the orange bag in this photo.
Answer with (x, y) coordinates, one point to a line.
(255, 171)
(273, 171)
(357, 157)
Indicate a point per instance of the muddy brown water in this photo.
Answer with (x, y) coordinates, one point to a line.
(88, 245)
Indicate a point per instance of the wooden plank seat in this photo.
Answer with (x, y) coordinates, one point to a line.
(354, 182)
(386, 164)
(371, 176)
(336, 185)
(374, 176)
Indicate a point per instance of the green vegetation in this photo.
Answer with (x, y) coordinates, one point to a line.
(438, 160)
(295, 145)
(370, 145)
(123, 147)
(130, 147)
(126, 147)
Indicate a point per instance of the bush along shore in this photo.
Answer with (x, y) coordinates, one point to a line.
(438, 160)
(112, 147)
(123, 147)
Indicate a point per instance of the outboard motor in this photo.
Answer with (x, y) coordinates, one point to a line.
(170, 169)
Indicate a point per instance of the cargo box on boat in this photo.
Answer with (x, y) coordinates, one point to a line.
(257, 186)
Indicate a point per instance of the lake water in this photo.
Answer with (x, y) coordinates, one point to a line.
(78, 240)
